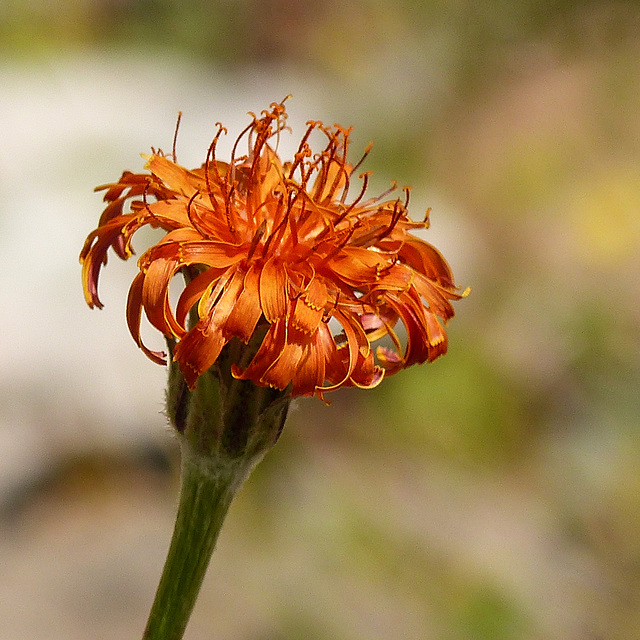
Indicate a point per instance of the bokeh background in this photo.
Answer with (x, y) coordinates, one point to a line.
(492, 495)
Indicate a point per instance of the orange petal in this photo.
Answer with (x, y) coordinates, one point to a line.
(195, 290)
(357, 345)
(174, 176)
(270, 175)
(357, 266)
(309, 307)
(210, 253)
(320, 361)
(273, 290)
(396, 277)
(169, 214)
(419, 348)
(201, 346)
(246, 312)
(437, 337)
(435, 296)
(426, 259)
(155, 297)
(94, 255)
(282, 371)
(198, 350)
(134, 316)
(269, 351)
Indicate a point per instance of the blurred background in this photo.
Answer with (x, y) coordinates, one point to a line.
(492, 495)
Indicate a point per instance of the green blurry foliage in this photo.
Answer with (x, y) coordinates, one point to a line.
(485, 614)
(460, 407)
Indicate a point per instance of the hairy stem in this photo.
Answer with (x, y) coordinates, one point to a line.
(207, 489)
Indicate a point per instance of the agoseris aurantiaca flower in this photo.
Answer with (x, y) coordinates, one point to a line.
(338, 287)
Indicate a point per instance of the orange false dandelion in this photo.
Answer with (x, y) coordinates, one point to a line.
(277, 249)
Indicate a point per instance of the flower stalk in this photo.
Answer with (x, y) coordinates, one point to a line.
(208, 487)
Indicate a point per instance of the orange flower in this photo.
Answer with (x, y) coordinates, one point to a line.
(276, 248)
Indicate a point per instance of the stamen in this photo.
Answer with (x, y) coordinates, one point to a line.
(347, 185)
(228, 209)
(194, 222)
(332, 158)
(338, 247)
(279, 230)
(365, 181)
(407, 192)
(235, 145)
(384, 194)
(175, 137)
(146, 204)
(303, 149)
(344, 214)
(281, 114)
(256, 238)
(398, 210)
(329, 153)
(210, 160)
(367, 151)
(263, 134)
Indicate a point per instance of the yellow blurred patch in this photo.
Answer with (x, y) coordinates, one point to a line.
(605, 216)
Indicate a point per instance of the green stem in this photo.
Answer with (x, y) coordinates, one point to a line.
(207, 489)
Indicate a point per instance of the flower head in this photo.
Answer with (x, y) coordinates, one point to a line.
(277, 249)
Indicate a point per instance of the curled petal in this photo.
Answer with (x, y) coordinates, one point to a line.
(426, 338)
(94, 255)
(356, 346)
(427, 260)
(134, 316)
(155, 297)
(367, 374)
